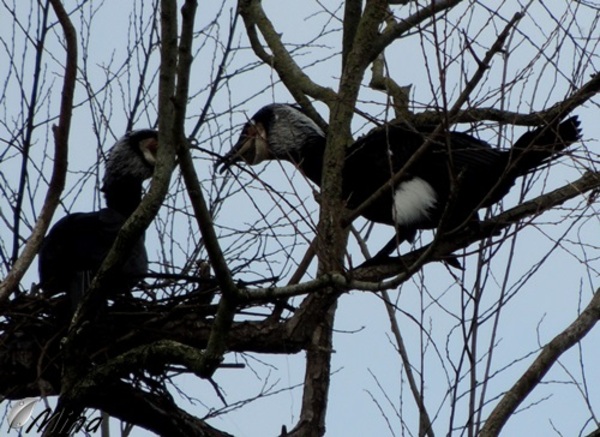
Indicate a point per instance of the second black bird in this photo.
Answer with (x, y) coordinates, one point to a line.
(77, 244)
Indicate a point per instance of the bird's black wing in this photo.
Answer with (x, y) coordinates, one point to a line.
(467, 174)
(79, 243)
(370, 163)
(450, 161)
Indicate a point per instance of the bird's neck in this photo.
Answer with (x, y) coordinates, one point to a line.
(123, 195)
(310, 161)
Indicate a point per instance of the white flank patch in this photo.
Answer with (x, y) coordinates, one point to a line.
(412, 201)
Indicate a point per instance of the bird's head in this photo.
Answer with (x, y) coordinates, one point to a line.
(277, 131)
(132, 157)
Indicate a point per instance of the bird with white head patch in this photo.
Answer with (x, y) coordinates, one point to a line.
(77, 244)
(455, 176)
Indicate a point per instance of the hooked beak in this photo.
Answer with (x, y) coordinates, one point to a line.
(242, 151)
(251, 148)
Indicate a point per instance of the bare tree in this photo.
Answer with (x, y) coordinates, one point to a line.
(254, 263)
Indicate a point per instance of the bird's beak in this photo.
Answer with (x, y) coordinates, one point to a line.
(252, 148)
(242, 151)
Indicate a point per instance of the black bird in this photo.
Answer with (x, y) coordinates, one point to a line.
(77, 244)
(457, 175)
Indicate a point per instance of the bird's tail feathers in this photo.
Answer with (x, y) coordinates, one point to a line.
(542, 145)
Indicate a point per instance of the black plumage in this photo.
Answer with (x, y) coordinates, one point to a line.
(77, 244)
(457, 174)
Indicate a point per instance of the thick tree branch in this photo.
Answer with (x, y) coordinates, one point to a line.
(556, 112)
(74, 363)
(59, 169)
(542, 364)
(331, 237)
(141, 218)
(399, 95)
(397, 30)
(156, 412)
(352, 15)
(295, 80)
(227, 306)
(157, 353)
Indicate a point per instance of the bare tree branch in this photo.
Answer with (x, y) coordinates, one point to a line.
(542, 364)
(299, 84)
(59, 171)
